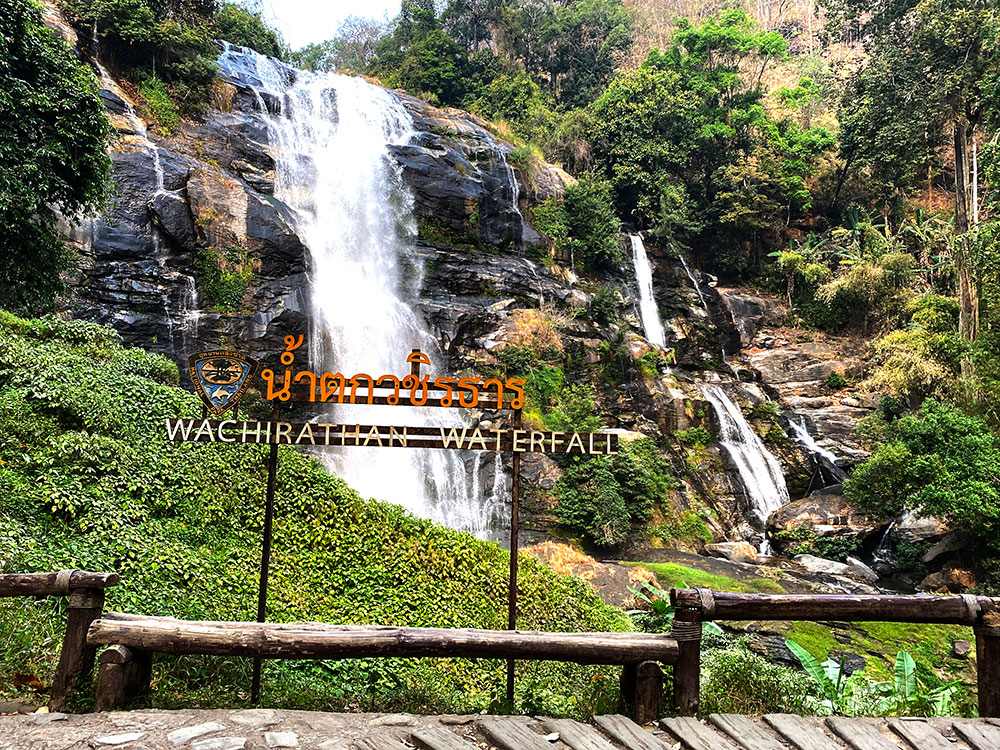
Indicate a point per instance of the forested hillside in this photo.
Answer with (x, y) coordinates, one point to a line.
(759, 237)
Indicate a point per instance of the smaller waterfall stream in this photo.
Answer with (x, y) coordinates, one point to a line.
(759, 470)
(693, 279)
(826, 459)
(648, 309)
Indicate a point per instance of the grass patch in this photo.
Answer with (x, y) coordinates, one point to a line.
(671, 574)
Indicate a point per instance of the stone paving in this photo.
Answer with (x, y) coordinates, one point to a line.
(212, 729)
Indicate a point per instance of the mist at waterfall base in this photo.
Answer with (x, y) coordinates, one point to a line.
(331, 141)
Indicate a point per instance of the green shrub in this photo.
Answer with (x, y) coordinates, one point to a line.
(224, 277)
(736, 680)
(53, 154)
(694, 437)
(593, 229)
(574, 410)
(939, 461)
(600, 497)
(605, 307)
(835, 381)
(690, 525)
(154, 91)
(88, 479)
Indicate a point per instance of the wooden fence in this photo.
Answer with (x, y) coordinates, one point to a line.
(132, 639)
(125, 666)
(982, 613)
(86, 602)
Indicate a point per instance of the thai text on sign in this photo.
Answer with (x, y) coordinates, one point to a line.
(390, 436)
(391, 390)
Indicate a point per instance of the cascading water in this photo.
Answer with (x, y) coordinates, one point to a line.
(331, 143)
(759, 470)
(693, 279)
(648, 309)
(801, 431)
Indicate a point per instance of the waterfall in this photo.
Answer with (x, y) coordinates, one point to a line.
(330, 137)
(759, 470)
(648, 310)
(693, 279)
(801, 431)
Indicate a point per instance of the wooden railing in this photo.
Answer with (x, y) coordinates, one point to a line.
(132, 639)
(86, 602)
(980, 612)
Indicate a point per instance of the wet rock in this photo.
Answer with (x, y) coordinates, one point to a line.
(950, 579)
(952, 542)
(917, 529)
(741, 552)
(849, 661)
(960, 649)
(820, 565)
(861, 570)
(827, 514)
(174, 218)
(751, 312)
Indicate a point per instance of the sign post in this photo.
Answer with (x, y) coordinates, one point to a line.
(222, 377)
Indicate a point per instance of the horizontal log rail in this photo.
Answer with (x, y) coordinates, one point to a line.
(319, 641)
(54, 584)
(982, 613)
(728, 605)
(86, 602)
(132, 639)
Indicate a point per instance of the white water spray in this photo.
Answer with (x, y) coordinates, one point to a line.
(648, 310)
(759, 470)
(331, 144)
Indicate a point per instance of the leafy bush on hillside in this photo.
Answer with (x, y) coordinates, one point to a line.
(89, 480)
(600, 497)
(52, 154)
(939, 461)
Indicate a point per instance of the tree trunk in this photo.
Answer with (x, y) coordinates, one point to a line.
(968, 295)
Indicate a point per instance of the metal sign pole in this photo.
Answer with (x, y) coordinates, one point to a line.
(265, 555)
(512, 586)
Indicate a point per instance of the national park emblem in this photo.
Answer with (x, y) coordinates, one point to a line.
(221, 378)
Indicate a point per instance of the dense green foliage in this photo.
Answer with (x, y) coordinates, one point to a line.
(171, 41)
(601, 497)
(52, 153)
(89, 480)
(939, 461)
(584, 225)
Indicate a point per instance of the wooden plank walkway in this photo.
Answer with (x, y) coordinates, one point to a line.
(718, 732)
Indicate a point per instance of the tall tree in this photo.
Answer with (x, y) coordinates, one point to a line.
(939, 60)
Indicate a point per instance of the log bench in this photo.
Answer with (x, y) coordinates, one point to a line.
(132, 639)
(86, 601)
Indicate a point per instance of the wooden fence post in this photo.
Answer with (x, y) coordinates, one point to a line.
(76, 658)
(124, 673)
(686, 629)
(988, 664)
(642, 687)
